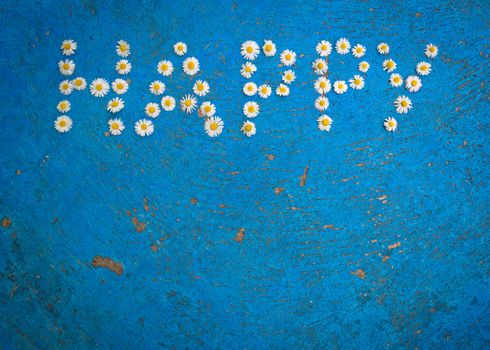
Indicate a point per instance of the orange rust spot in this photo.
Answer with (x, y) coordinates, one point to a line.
(194, 200)
(361, 164)
(278, 190)
(107, 263)
(6, 222)
(240, 235)
(330, 226)
(222, 205)
(418, 14)
(145, 205)
(271, 157)
(107, 134)
(154, 248)
(138, 225)
(18, 172)
(359, 273)
(234, 173)
(385, 258)
(394, 245)
(294, 208)
(128, 212)
(302, 180)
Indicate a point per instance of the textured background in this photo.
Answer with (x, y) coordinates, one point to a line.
(385, 246)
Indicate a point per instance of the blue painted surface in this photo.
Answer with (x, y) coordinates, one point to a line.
(291, 282)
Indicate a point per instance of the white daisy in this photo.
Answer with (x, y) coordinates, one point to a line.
(340, 86)
(180, 48)
(390, 124)
(144, 127)
(120, 86)
(396, 80)
(320, 66)
(413, 83)
(191, 66)
(248, 69)
(123, 67)
(99, 87)
(322, 103)
(68, 47)
(403, 104)
(201, 88)
(250, 89)
(288, 76)
(123, 49)
(64, 106)
(324, 122)
(165, 68)
(115, 105)
(431, 50)
(157, 87)
(207, 109)
(79, 83)
(264, 90)
(116, 126)
(248, 128)
(423, 68)
(342, 46)
(383, 48)
(213, 126)
(188, 103)
(250, 50)
(356, 82)
(288, 57)
(269, 48)
(358, 51)
(67, 67)
(282, 90)
(168, 103)
(324, 48)
(364, 67)
(323, 85)
(389, 65)
(66, 87)
(63, 123)
(251, 109)
(152, 110)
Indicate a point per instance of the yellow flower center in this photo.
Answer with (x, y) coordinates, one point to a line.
(423, 68)
(325, 122)
(251, 109)
(62, 105)
(288, 57)
(151, 109)
(357, 81)
(322, 103)
(122, 66)
(404, 103)
(207, 109)
(123, 47)
(250, 88)
(66, 66)
(65, 86)
(396, 79)
(324, 47)
(289, 77)
(213, 126)
(180, 47)
(156, 87)
(200, 87)
(188, 103)
(343, 46)
(391, 123)
(78, 82)
(168, 103)
(98, 87)
(341, 86)
(364, 65)
(67, 46)
(359, 49)
(320, 65)
(120, 86)
(143, 126)
(268, 47)
(114, 104)
(264, 90)
(282, 89)
(115, 126)
(323, 85)
(389, 64)
(191, 65)
(164, 67)
(62, 123)
(248, 127)
(432, 49)
(383, 47)
(250, 49)
(414, 83)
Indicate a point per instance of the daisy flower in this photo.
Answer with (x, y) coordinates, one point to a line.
(248, 128)
(250, 89)
(340, 87)
(213, 126)
(431, 50)
(165, 68)
(322, 103)
(264, 90)
(201, 88)
(282, 90)
(323, 85)
(389, 65)
(144, 127)
(120, 86)
(67, 67)
(99, 87)
(413, 83)
(64, 106)
(152, 110)
(248, 69)
(342, 46)
(188, 103)
(68, 47)
(250, 50)
(403, 104)
(123, 67)
(396, 80)
(191, 66)
(324, 122)
(390, 124)
(288, 57)
(157, 87)
(168, 103)
(66, 87)
(180, 48)
(115, 105)
(288, 76)
(324, 48)
(383, 48)
(63, 123)
(251, 109)
(358, 51)
(269, 48)
(79, 83)
(320, 66)
(364, 67)
(123, 49)
(207, 109)
(356, 82)
(423, 68)
(116, 126)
